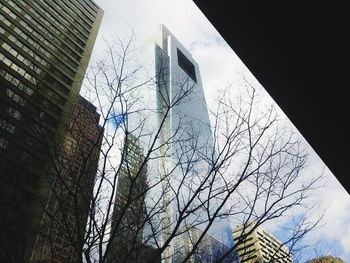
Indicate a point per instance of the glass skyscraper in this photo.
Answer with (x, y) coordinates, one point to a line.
(187, 140)
(126, 244)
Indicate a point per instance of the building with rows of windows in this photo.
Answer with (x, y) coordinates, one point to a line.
(258, 246)
(62, 226)
(45, 46)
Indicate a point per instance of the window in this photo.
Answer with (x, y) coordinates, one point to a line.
(14, 67)
(6, 46)
(14, 113)
(3, 143)
(8, 23)
(25, 156)
(33, 142)
(7, 61)
(186, 65)
(5, 125)
(25, 89)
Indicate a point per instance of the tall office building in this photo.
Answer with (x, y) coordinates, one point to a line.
(62, 227)
(45, 47)
(259, 246)
(186, 137)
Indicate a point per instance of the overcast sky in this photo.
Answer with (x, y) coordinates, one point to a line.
(219, 67)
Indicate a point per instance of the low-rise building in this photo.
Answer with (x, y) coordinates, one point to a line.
(258, 246)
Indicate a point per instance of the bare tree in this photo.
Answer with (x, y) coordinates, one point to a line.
(155, 185)
(254, 166)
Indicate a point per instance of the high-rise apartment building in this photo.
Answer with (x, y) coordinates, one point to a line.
(45, 47)
(258, 246)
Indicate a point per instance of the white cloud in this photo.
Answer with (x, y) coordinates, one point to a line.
(336, 222)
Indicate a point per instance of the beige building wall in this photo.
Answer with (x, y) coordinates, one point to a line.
(257, 246)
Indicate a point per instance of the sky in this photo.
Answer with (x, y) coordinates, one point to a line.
(220, 67)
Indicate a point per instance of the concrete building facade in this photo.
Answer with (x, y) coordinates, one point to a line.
(258, 246)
